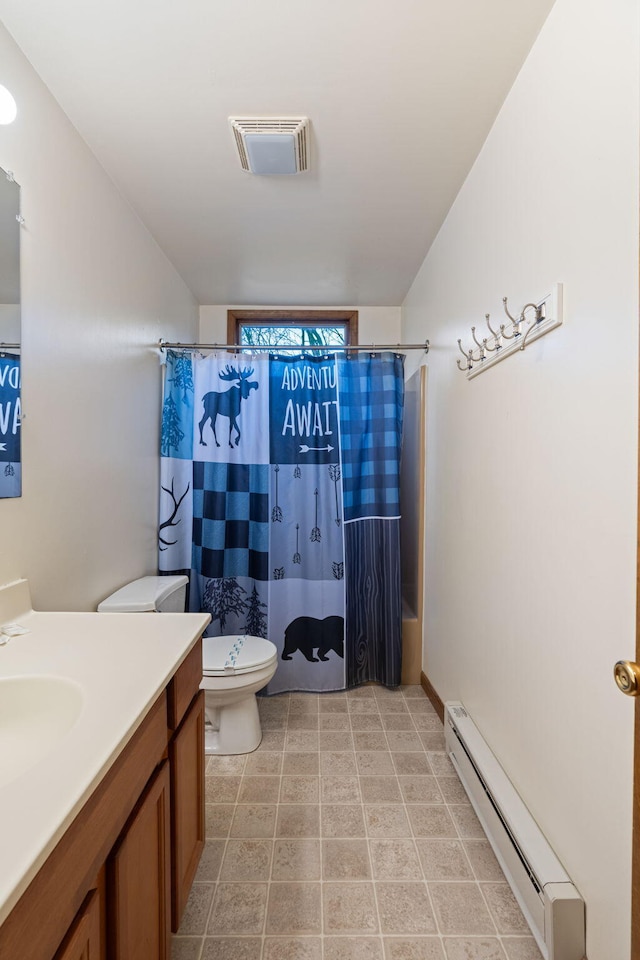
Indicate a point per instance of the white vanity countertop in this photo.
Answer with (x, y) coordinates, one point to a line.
(122, 662)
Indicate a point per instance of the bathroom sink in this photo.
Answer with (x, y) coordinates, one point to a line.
(35, 713)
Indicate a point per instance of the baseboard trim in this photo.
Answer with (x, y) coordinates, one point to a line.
(430, 691)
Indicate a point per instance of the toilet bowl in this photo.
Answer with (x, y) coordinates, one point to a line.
(234, 669)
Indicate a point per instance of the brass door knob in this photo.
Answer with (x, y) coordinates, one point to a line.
(627, 676)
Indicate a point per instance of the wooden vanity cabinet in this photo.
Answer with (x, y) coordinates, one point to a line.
(187, 761)
(84, 940)
(151, 869)
(118, 880)
(138, 879)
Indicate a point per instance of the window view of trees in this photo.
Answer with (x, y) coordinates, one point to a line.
(295, 329)
(257, 335)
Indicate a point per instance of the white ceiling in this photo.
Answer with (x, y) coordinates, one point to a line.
(400, 95)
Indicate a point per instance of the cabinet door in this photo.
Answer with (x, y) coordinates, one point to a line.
(83, 940)
(186, 753)
(138, 879)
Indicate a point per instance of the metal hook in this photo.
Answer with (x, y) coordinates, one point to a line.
(482, 346)
(485, 342)
(526, 336)
(516, 321)
(539, 311)
(468, 357)
(506, 310)
(539, 317)
(503, 332)
(516, 330)
(468, 366)
(496, 336)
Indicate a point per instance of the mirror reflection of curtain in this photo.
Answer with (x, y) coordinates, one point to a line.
(10, 460)
(280, 501)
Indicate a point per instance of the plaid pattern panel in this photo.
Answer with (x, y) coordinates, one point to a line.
(371, 398)
(231, 520)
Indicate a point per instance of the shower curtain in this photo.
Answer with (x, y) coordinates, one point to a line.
(280, 501)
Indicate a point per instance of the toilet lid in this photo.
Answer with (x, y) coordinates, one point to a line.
(234, 654)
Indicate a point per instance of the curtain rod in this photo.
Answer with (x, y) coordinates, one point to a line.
(277, 348)
(9, 346)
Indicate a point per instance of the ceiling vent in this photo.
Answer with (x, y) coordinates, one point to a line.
(271, 146)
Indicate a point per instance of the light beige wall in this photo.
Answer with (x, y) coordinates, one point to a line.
(531, 494)
(375, 324)
(97, 293)
(9, 323)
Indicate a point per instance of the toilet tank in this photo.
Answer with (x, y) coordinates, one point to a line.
(148, 595)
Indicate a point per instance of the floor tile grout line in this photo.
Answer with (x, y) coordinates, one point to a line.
(426, 883)
(321, 858)
(378, 918)
(406, 813)
(215, 886)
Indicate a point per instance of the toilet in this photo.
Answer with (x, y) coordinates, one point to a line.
(234, 667)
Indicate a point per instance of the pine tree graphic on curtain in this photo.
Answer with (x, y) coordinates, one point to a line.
(222, 598)
(182, 375)
(256, 624)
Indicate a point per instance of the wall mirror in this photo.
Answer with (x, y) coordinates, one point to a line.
(10, 372)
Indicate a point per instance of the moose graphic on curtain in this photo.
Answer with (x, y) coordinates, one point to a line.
(280, 501)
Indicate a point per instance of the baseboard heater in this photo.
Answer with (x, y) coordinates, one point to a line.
(551, 904)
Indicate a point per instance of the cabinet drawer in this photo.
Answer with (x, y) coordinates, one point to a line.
(184, 686)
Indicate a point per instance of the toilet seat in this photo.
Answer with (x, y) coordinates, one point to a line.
(235, 654)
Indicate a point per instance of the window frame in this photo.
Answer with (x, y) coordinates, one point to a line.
(298, 318)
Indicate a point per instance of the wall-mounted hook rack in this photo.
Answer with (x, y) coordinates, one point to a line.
(531, 323)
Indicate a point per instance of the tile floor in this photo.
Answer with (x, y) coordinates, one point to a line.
(347, 836)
